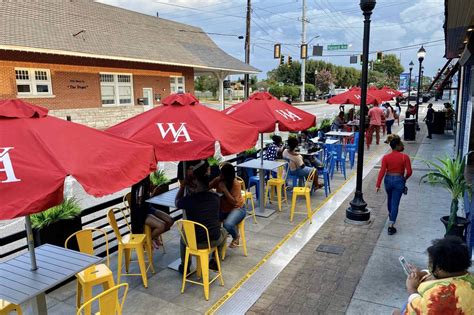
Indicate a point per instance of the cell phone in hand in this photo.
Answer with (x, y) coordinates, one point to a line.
(405, 265)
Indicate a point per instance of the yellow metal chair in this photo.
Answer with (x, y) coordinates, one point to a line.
(109, 302)
(95, 275)
(7, 307)
(247, 196)
(303, 191)
(241, 227)
(279, 184)
(126, 245)
(187, 230)
(127, 200)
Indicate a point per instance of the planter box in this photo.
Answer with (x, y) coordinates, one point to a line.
(458, 229)
(57, 233)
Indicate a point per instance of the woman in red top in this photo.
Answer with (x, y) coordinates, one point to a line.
(396, 168)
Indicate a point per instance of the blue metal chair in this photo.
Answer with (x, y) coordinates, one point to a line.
(325, 171)
(338, 159)
(254, 180)
(351, 149)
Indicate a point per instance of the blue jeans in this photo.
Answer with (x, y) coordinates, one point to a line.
(301, 173)
(389, 124)
(231, 220)
(394, 186)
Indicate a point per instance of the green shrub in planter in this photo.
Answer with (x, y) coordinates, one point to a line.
(54, 225)
(158, 182)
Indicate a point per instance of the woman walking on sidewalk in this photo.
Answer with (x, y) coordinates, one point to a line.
(396, 168)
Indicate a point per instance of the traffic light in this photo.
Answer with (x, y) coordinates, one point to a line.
(282, 60)
(361, 56)
(277, 51)
(379, 56)
(290, 60)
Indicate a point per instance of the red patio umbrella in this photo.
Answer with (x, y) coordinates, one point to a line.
(353, 97)
(183, 129)
(264, 111)
(38, 151)
(391, 92)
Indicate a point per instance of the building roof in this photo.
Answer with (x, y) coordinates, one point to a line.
(459, 16)
(104, 31)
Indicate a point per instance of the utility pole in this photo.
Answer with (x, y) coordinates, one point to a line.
(247, 48)
(303, 41)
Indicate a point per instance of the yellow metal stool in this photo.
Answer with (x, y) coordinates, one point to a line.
(7, 307)
(126, 245)
(247, 196)
(241, 227)
(303, 191)
(109, 302)
(188, 233)
(279, 184)
(95, 275)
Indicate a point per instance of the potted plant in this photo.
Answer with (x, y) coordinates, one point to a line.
(312, 132)
(325, 125)
(449, 174)
(158, 182)
(54, 225)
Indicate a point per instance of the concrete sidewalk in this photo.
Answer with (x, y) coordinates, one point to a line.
(365, 277)
(382, 286)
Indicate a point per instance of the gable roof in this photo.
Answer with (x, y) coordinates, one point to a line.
(109, 32)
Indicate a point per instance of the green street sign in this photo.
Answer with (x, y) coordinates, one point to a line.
(338, 47)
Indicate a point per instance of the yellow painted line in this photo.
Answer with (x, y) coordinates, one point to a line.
(247, 276)
(237, 286)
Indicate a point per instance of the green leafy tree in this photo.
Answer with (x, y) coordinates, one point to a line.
(286, 74)
(291, 90)
(309, 88)
(390, 65)
(205, 83)
(324, 79)
(276, 91)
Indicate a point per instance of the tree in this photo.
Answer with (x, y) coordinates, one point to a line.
(324, 79)
(380, 79)
(309, 88)
(391, 66)
(276, 91)
(205, 83)
(288, 74)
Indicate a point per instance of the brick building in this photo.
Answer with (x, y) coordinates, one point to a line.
(92, 60)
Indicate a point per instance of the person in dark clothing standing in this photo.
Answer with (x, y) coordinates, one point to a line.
(201, 206)
(429, 119)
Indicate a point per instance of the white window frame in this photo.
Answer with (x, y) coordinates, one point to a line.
(116, 85)
(32, 82)
(174, 86)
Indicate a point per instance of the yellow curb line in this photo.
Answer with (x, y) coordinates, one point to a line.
(237, 286)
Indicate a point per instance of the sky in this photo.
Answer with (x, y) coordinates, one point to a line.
(395, 25)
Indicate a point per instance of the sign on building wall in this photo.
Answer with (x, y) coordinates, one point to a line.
(467, 127)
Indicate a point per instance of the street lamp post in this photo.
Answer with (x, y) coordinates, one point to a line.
(358, 207)
(421, 56)
(411, 64)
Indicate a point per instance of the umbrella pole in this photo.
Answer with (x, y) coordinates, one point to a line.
(31, 244)
(261, 148)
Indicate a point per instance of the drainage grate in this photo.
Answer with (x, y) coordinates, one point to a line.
(331, 249)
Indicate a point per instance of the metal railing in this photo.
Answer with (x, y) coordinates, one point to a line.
(99, 220)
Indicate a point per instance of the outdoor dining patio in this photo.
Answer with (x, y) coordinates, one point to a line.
(156, 283)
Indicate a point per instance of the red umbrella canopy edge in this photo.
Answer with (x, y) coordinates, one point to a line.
(184, 129)
(37, 152)
(264, 111)
(353, 97)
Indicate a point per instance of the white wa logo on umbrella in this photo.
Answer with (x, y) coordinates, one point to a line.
(287, 114)
(357, 96)
(7, 166)
(182, 132)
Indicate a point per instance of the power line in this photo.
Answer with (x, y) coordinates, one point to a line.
(199, 10)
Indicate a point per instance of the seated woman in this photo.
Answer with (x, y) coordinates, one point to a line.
(273, 152)
(338, 122)
(447, 288)
(297, 165)
(157, 220)
(232, 202)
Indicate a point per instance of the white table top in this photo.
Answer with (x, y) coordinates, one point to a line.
(340, 134)
(166, 199)
(267, 165)
(328, 141)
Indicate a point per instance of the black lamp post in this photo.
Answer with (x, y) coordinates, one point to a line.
(358, 210)
(421, 56)
(411, 64)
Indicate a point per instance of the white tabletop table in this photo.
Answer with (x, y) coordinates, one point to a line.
(262, 167)
(327, 141)
(342, 134)
(18, 283)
